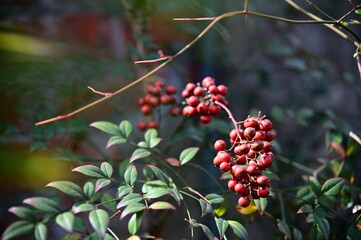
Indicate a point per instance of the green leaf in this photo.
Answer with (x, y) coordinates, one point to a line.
(125, 128)
(90, 170)
(139, 154)
(150, 134)
(175, 194)
(156, 193)
(221, 209)
(154, 142)
(73, 236)
(148, 173)
(24, 212)
(123, 190)
(207, 231)
(114, 140)
(322, 223)
(143, 144)
(188, 154)
(214, 198)
(284, 228)
(109, 202)
(222, 226)
(41, 231)
(315, 233)
(205, 207)
(353, 233)
(134, 223)
(88, 189)
(238, 229)
(43, 204)
(101, 183)
(131, 175)
(68, 188)
(107, 169)
(66, 220)
(123, 166)
(99, 219)
(261, 205)
(307, 208)
(18, 228)
(106, 127)
(315, 186)
(133, 208)
(332, 186)
(85, 207)
(160, 205)
(358, 11)
(297, 234)
(79, 225)
(129, 199)
(134, 237)
(160, 174)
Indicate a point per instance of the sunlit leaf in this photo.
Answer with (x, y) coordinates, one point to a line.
(214, 198)
(188, 154)
(106, 127)
(133, 208)
(99, 220)
(125, 128)
(173, 161)
(238, 229)
(88, 189)
(114, 140)
(41, 231)
(134, 223)
(68, 188)
(101, 183)
(160, 205)
(85, 207)
(44, 204)
(222, 226)
(129, 199)
(123, 190)
(107, 169)
(131, 175)
(24, 213)
(18, 228)
(150, 134)
(156, 193)
(66, 220)
(139, 154)
(90, 170)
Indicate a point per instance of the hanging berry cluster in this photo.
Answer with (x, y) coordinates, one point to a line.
(201, 99)
(157, 94)
(249, 155)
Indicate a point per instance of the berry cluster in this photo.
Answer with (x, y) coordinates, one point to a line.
(249, 155)
(157, 94)
(201, 99)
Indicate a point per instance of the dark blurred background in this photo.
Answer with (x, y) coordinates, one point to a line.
(303, 77)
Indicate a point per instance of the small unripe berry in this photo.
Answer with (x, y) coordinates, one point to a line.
(220, 145)
(244, 201)
(205, 119)
(146, 109)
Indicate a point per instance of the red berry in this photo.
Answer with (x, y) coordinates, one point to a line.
(241, 149)
(260, 135)
(153, 124)
(224, 167)
(241, 159)
(257, 145)
(174, 111)
(190, 87)
(214, 109)
(207, 81)
(252, 154)
(263, 181)
(269, 136)
(158, 84)
(216, 161)
(198, 91)
(253, 170)
(170, 89)
(142, 125)
(205, 119)
(223, 156)
(239, 171)
(192, 101)
(218, 97)
(263, 192)
(267, 146)
(249, 133)
(220, 145)
(265, 161)
(244, 201)
(233, 134)
(251, 122)
(213, 89)
(146, 109)
(165, 99)
(141, 101)
(241, 190)
(186, 93)
(202, 108)
(222, 89)
(154, 101)
(232, 183)
(189, 111)
(156, 91)
(254, 194)
(266, 125)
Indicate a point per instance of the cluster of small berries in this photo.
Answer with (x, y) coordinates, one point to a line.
(157, 94)
(249, 155)
(200, 99)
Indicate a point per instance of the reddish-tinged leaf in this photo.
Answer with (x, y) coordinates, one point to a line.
(24, 213)
(115, 140)
(18, 228)
(66, 220)
(161, 205)
(90, 170)
(187, 155)
(173, 161)
(107, 169)
(101, 183)
(139, 154)
(68, 188)
(133, 208)
(44, 204)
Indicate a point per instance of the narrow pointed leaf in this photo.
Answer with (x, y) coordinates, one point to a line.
(315, 186)
(154, 142)
(175, 194)
(125, 128)
(18, 228)
(333, 186)
(261, 204)
(131, 175)
(322, 223)
(101, 183)
(41, 231)
(139, 154)
(173, 161)
(99, 219)
(90, 170)
(133, 208)
(238, 229)
(123, 190)
(129, 199)
(107, 169)
(134, 223)
(222, 226)
(207, 231)
(44, 204)
(68, 188)
(160, 205)
(85, 207)
(114, 140)
(160, 174)
(106, 127)
(187, 155)
(205, 207)
(24, 213)
(214, 198)
(156, 193)
(284, 228)
(66, 220)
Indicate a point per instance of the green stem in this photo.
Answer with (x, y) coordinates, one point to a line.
(113, 234)
(320, 10)
(208, 174)
(295, 164)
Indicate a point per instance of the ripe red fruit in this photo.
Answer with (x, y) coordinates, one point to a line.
(192, 101)
(190, 87)
(244, 201)
(241, 159)
(267, 146)
(216, 161)
(146, 109)
(253, 170)
(232, 183)
(266, 125)
(156, 91)
(222, 89)
(174, 111)
(249, 133)
(202, 108)
(153, 124)
(198, 91)
(165, 99)
(154, 101)
(142, 125)
(269, 136)
(263, 181)
(265, 161)
(170, 89)
(239, 171)
(205, 119)
(189, 111)
(260, 135)
(186, 93)
(257, 146)
(141, 101)
(214, 109)
(241, 149)
(251, 122)
(252, 154)
(220, 145)
(213, 89)
(263, 192)
(223, 156)
(224, 167)
(158, 84)
(233, 134)
(207, 81)
(241, 190)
